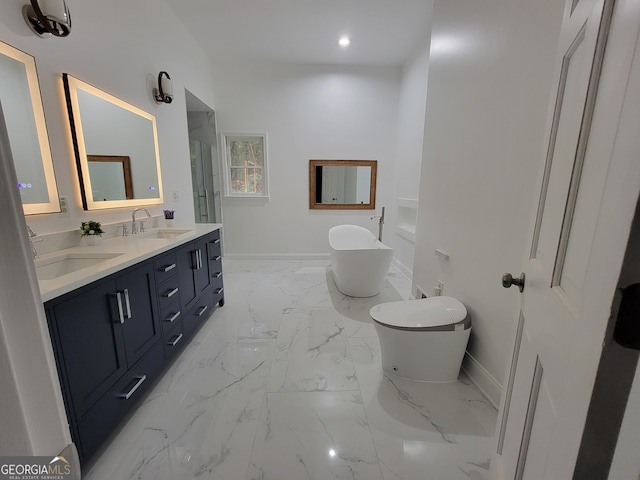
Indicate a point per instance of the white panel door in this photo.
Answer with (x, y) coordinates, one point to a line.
(568, 289)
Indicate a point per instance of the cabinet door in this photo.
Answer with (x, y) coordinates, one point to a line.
(201, 272)
(186, 261)
(91, 344)
(141, 327)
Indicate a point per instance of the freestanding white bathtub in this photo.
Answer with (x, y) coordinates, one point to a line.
(359, 261)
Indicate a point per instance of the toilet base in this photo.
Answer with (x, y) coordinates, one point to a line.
(422, 356)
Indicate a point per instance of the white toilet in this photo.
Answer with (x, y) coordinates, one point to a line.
(423, 339)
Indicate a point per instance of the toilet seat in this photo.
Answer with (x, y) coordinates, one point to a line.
(427, 314)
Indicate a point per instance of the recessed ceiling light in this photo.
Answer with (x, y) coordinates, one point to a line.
(344, 41)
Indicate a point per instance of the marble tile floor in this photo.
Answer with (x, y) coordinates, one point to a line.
(284, 382)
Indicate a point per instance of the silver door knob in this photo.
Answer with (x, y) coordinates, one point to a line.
(508, 281)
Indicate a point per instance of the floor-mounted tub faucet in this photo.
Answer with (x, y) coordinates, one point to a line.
(380, 223)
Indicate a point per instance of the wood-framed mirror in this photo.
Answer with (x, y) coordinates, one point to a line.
(110, 177)
(342, 184)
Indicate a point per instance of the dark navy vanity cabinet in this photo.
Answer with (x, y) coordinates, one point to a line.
(113, 337)
(200, 279)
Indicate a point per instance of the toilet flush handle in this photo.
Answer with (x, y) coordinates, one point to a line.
(508, 281)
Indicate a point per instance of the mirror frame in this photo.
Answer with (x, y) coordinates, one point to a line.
(53, 203)
(313, 205)
(71, 87)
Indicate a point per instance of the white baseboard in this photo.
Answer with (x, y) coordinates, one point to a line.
(402, 268)
(482, 379)
(277, 256)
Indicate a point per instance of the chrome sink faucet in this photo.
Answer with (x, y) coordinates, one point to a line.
(134, 227)
(33, 234)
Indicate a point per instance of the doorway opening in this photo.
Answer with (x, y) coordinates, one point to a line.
(205, 172)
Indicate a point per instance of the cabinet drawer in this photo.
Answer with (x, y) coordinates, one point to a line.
(216, 283)
(215, 243)
(216, 267)
(199, 313)
(218, 294)
(169, 316)
(174, 341)
(168, 293)
(165, 268)
(110, 409)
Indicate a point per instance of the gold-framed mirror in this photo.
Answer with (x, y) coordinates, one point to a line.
(24, 115)
(342, 184)
(125, 140)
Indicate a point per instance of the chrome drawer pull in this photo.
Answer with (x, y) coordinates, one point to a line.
(172, 292)
(217, 274)
(169, 267)
(173, 317)
(175, 342)
(204, 309)
(140, 381)
(219, 290)
(217, 240)
(217, 257)
(120, 307)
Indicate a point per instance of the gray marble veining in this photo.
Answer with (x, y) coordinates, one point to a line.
(285, 381)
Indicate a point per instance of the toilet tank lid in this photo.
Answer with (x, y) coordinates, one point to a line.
(423, 313)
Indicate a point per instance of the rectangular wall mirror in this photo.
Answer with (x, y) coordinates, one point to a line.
(22, 107)
(342, 184)
(116, 147)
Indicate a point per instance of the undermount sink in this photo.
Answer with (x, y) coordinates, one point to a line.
(54, 267)
(163, 233)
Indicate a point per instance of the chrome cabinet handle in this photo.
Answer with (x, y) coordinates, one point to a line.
(217, 257)
(127, 302)
(219, 290)
(194, 259)
(198, 258)
(217, 275)
(168, 268)
(173, 317)
(140, 381)
(172, 292)
(202, 310)
(175, 342)
(508, 281)
(217, 240)
(120, 307)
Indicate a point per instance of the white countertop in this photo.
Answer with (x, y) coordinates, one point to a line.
(131, 249)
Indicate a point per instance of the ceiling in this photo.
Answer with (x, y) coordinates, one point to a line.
(382, 32)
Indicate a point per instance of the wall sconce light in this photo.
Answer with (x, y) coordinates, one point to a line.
(164, 93)
(48, 17)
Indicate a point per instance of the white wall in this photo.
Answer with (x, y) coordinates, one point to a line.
(489, 81)
(410, 133)
(118, 46)
(308, 112)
